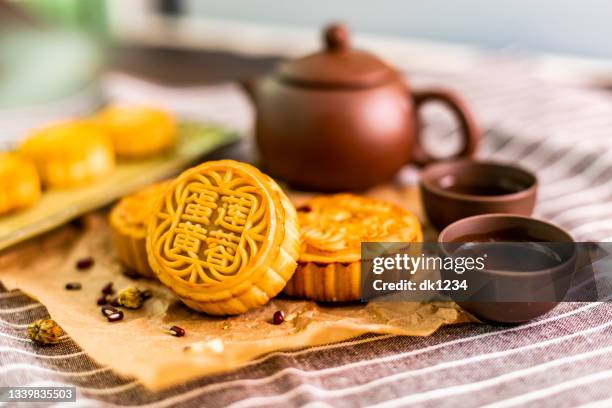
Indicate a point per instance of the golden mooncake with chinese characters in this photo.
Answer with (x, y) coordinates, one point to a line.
(70, 154)
(332, 229)
(139, 131)
(128, 221)
(19, 183)
(224, 237)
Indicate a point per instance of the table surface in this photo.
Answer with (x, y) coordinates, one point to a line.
(561, 359)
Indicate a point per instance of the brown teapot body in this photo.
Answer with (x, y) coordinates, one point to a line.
(343, 120)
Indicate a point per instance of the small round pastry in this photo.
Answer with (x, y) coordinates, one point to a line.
(332, 229)
(19, 183)
(223, 237)
(128, 221)
(70, 154)
(138, 131)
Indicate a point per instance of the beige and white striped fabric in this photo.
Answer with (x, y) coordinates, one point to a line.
(562, 359)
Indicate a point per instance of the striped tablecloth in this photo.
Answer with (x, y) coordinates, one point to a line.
(561, 359)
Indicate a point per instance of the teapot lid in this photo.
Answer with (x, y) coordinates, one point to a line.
(338, 65)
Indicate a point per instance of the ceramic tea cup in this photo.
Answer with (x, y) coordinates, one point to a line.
(531, 272)
(453, 190)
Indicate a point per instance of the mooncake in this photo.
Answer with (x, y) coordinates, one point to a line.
(224, 237)
(70, 154)
(331, 231)
(128, 221)
(19, 183)
(139, 131)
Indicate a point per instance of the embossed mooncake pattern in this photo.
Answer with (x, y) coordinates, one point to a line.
(209, 242)
(332, 229)
(224, 237)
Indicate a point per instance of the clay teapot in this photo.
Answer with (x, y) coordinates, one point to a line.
(342, 119)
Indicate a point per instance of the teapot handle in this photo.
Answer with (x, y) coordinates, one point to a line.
(468, 126)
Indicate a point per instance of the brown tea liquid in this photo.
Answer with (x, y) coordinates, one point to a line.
(483, 186)
(512, 256)
(483, 190)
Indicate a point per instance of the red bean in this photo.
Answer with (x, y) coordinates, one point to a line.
(73, 286)
(108, 289)
(278, 317)
(115, 317)
(85, 263)
(177, 331)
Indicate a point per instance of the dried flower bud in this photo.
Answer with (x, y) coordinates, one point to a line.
(130, 297)
(45, 331)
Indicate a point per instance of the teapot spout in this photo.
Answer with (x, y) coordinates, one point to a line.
(249, 86)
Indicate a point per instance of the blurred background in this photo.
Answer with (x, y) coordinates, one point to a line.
(66, 57)
(547, 26)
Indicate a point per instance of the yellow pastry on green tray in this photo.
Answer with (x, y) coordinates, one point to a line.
(331, 231)
(139, 131)
(128, 221)
(19, 183)
(224, 237)
(70, 154)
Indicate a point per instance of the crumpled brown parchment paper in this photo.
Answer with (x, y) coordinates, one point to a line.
(138, 346)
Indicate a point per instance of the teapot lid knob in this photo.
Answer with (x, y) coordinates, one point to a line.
(338, 66)
(337, 37)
